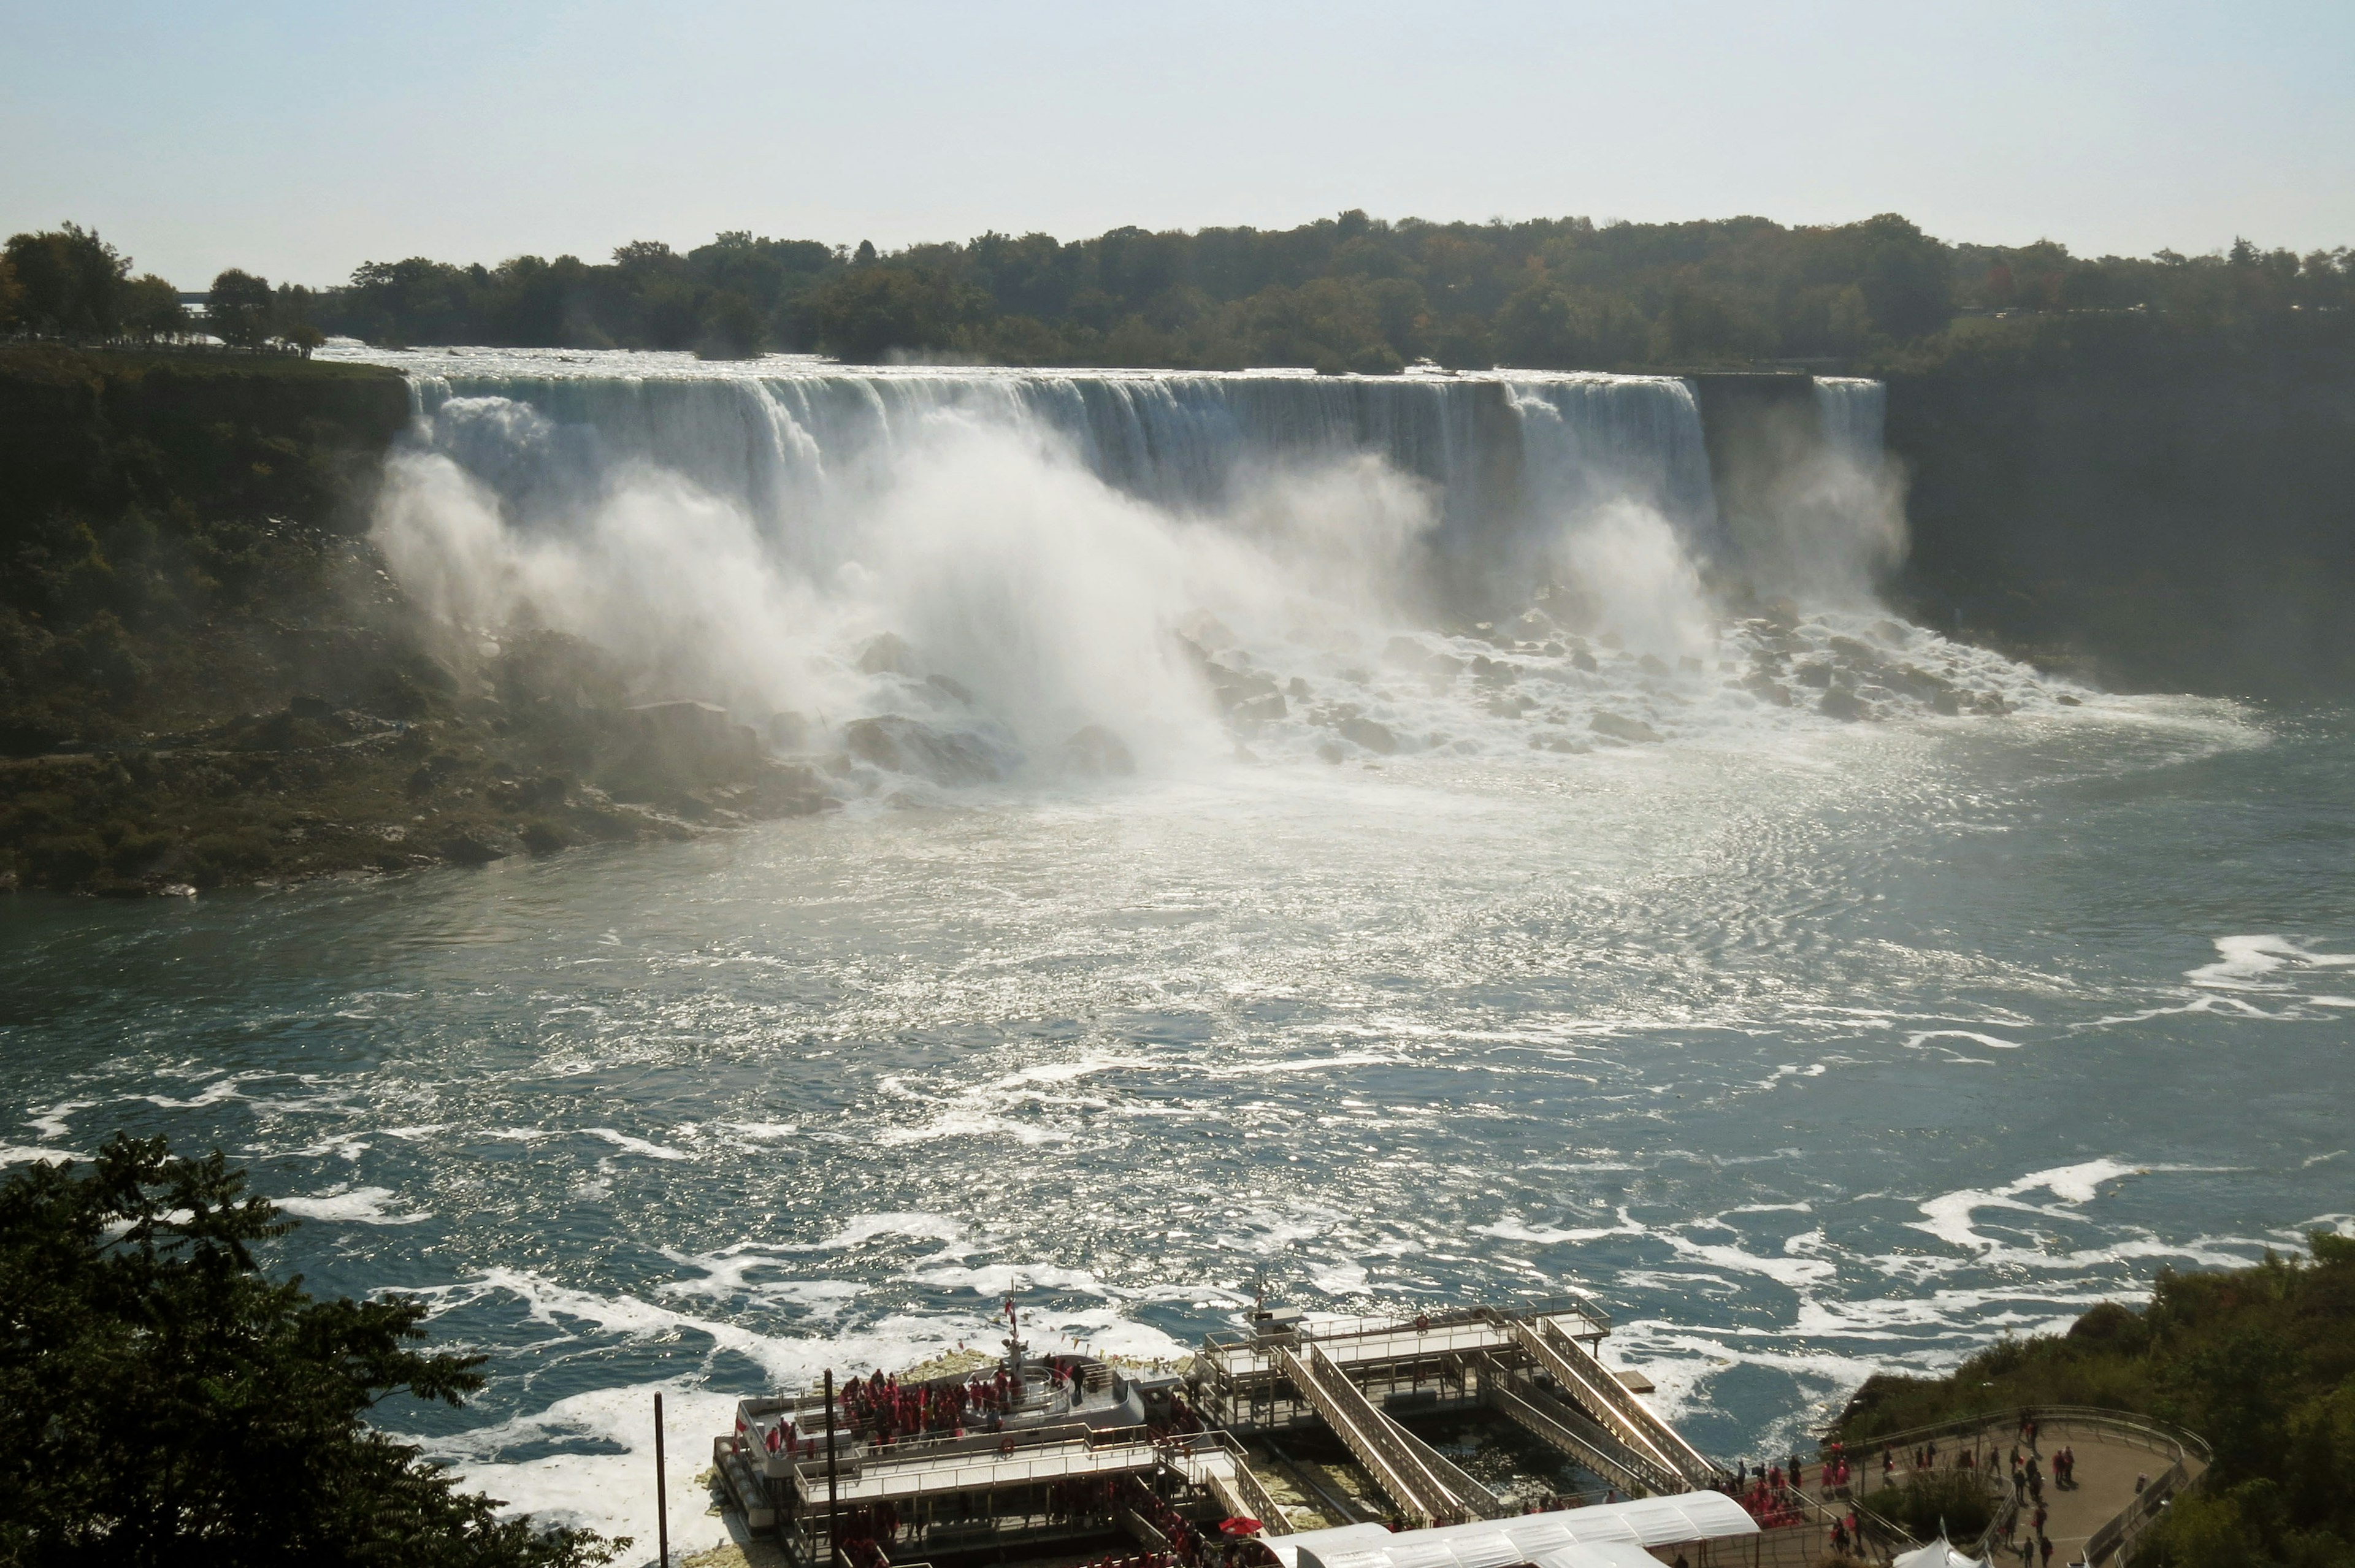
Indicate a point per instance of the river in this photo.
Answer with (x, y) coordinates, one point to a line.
(1807, 1047)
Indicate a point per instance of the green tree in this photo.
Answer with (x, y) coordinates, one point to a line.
(163, 1402)
(151, 309)
(868, 312)
(237, 310)
(12, 295)
(73, 280)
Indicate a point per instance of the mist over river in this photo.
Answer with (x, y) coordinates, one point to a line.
(1809, 1039)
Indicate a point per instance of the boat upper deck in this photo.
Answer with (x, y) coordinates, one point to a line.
(1240, 1358)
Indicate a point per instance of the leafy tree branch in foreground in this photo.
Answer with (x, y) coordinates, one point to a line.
(162, 1400)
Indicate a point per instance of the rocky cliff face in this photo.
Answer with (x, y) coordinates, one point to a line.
(2157, 522)
(206, 676)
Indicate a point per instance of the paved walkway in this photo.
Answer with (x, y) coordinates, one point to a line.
(2108, 1465)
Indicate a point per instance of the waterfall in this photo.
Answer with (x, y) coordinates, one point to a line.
(1852, 411)
(1063, 548)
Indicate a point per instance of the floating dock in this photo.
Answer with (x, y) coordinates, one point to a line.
(1069, 1460)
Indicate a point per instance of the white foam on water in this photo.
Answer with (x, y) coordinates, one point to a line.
(917, 1225)
(21, 1153)
(2262, 964)
(51, 1123)
(629, 1144)
(971, 1124)
(601, 1476)
(351, 1205)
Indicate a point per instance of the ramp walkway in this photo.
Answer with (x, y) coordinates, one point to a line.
(1220, 1465)
(1621, 1414)
(1421, 1480)
(1563, 1426)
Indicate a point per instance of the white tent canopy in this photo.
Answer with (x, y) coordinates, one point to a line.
(1938, 1555)
(1609, 1535)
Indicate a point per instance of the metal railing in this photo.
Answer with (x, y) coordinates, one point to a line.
(2179, 1446)
(1618, 1409)
(1412, 1484)
(1573, 1430)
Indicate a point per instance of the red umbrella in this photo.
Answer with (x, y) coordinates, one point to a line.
(1239, 1527)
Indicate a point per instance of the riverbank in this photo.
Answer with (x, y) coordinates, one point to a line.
(209, 676)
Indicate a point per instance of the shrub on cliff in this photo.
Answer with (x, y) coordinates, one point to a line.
(163, 1401)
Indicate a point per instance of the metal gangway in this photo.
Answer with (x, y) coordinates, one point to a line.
(1215, 1461)
(1421, 1480)
(1513, 1394)
(1583, 1376)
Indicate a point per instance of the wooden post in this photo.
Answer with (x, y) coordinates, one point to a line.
(661, 1498)
(832, 1519)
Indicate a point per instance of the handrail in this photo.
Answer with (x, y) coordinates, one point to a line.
(1359, 1423)
(1368, 1324)
(2044, 1415)
(1615, 1406)
(1597, 1450)
(2143, 1431)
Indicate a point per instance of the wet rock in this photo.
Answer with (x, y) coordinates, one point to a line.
(1584, 660)
(1096, 751)
(1366, 733)
(911, 746)
(2066, 701)
(1689, 665)
(1652, 664)
(1817, 675)
(1766, 689)
(479, 846)
(1619, 728)
(1842, 703)
(309, 708)
(546, 838)
(948, 688)
(1947, 702)
(1259, 709)
(691, 742)
(1297, 689)
(1492, 672)
(788, 731)
(1330, 752)
(888, 653)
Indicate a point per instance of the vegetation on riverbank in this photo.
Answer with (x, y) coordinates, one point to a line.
(165, 1401)
(2259, 1361)
(208, 676)
(1350, 292)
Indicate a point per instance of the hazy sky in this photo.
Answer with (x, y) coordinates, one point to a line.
(299, 140)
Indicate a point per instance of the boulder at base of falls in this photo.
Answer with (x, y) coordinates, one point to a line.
(1766, 689)
(1581, 659)
(480, 847)
(1095, 751)
(900, 745)
(1407, 654)
(696, 738)
(1945, 702)
(1373, 737)
(888, 653)
(1842, 703)
(1633, 730)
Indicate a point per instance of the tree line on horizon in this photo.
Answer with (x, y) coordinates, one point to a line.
(1344, 294)
(68, 283)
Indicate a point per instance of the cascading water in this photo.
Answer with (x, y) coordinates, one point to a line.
(1329, 567)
